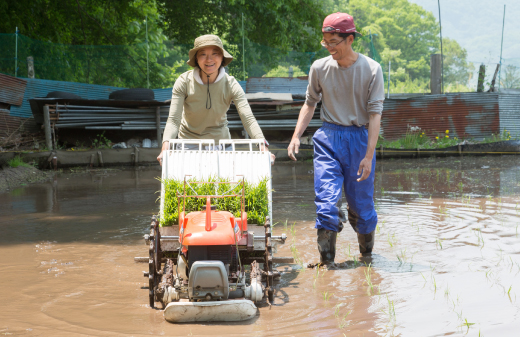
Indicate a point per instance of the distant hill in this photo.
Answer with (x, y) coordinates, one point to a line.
(477, 26)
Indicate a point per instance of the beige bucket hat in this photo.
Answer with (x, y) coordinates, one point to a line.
(205, 41)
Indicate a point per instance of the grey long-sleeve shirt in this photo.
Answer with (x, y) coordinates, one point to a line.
(349, 95)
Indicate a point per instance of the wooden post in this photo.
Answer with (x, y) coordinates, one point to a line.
(100, 158)
(481, 76)
(436, 74)
(92, 156)
(158, 126)
(30, 67)
(47, 127)
(136, 156)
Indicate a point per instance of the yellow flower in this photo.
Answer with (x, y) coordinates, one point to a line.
(420, 136)
(447, 131)
(436, 137)
(447, 136)
(455, 138)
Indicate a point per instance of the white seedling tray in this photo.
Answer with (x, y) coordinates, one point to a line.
(223, 161)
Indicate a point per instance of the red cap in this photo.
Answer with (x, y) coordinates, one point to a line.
(339, 23)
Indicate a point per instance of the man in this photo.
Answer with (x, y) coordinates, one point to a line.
(351, 88)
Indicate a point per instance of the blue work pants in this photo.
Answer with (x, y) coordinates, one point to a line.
(338, 151)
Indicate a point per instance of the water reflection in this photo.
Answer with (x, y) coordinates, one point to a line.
(447, 253)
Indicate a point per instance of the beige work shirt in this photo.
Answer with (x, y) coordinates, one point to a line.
(189, 118)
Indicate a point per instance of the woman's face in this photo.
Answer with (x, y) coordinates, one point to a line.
(209, 59)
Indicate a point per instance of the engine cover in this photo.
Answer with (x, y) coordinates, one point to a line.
(208, 281)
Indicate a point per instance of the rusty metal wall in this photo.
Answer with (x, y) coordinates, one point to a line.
(10, 124)
(12, 89)
(465, 115)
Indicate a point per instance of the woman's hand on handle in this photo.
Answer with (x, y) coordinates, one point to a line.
(164, 147)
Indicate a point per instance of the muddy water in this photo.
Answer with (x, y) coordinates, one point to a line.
(446, 262)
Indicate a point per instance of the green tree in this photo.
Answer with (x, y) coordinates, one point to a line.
(510, 77)
(271, 27)
(456, 69)
(91, 41)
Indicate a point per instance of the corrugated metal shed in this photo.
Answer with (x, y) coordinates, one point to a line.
(163, 94)
(40, 88)
(465, 115)
(510, 114)
(10, 124)
(292, 85)
(12, 89)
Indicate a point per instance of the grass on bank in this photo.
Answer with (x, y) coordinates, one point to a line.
(256, 199)
(17, 161)
(415, 138)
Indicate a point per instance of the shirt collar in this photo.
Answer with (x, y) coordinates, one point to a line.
(196, 75)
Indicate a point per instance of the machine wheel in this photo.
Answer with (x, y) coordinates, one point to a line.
(268, 262)
(154, 261)
(157, 242)
(151, 273)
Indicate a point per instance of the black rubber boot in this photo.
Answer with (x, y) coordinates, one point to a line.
(366, 242)
(327, 246)
(341, 215)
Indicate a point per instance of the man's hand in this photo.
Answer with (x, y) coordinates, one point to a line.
(293, 147)
(264, 148)
(365, 167)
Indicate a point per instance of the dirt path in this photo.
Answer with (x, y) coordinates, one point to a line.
(13, 177)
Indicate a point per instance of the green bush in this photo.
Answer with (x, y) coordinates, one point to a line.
(256, 199)
(17, 161)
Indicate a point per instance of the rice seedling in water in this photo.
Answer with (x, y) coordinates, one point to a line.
(344, 323)
(467, 324)
(368, 278)
(439, 242)
(391, 308)
(326, 295)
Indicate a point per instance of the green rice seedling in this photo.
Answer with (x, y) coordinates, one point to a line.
(336, 309)
(316, 275)
(326, 296)
(391, 308)
(434, 282)
(509, 293)
(400, 261)
(368, 278)
(285, 226)
(439, 242)
(344, 323)
(348, 252)
(256, 198)
(356, 262)
(467, 324)
(447, 291)
(461, 186)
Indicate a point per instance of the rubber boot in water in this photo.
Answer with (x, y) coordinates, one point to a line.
(327, 246)
(366, 242)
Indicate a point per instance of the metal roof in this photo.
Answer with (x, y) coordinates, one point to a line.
(12, 89)
(292, 85)
(40, 88)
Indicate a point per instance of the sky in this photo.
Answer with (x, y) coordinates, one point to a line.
(477, 26)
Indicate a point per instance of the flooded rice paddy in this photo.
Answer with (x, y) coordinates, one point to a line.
(446, 260)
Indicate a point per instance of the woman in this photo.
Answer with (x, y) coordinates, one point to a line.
(201, 98)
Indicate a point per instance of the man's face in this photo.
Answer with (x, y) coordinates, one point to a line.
(339, 51)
